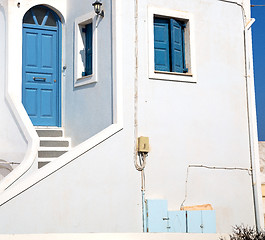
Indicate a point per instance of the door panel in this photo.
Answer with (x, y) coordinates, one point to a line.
(48, 50)
(31, 93)
(31, 57)
(46, 103)
(40, 70)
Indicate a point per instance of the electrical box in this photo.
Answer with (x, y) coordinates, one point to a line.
(143, 144)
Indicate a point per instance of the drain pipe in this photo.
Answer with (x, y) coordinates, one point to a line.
(252, 125)
(252, 122)
(136, 114)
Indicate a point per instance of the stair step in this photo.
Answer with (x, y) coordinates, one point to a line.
(43, 161)
(49, 132)
(56, 149)
(54, 143)
(50, 153)
(42, 164)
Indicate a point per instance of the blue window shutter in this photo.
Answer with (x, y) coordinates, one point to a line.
(161, 44)
(177, 51)
(89, 37)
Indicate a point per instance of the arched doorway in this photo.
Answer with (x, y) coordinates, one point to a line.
(41, 56)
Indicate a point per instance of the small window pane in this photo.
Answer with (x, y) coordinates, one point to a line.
(51, 20)
(28, 18)
(40, 13)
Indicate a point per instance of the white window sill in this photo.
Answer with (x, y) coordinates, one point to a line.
(85, 80)
(172, 76)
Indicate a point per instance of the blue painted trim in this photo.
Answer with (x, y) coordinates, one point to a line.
(45, 19)
(59, 69)
(25, 25)
(34, 17)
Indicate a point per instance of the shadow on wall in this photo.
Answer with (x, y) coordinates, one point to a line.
(5, 168)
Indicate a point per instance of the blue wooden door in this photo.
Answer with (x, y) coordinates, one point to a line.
(40, 86)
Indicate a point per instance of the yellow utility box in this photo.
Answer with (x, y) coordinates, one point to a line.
(143, 144)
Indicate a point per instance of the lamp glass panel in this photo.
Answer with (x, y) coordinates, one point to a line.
(97, 8)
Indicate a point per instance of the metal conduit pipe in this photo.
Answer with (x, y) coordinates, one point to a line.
(136, 114)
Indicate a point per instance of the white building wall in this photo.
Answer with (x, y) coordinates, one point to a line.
(99, 191)
(13, 145)
(202, 123)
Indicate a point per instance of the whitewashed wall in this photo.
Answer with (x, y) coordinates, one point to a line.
(99, 191)
(202, 123)
(13, 145)
(188, 123)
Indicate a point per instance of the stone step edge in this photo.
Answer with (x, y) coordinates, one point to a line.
(46, 159)
(59, 139)
(53, 149)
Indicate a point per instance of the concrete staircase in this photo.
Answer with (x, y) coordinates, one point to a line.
(53, 144)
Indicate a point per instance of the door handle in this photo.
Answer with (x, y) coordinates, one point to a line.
(39, 78)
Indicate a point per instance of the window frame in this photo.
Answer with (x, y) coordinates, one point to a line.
(79, 45)
(189, 44)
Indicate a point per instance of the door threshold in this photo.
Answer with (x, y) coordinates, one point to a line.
(47, 127)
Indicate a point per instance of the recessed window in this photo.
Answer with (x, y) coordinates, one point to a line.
(88, 38)
(85, 50)
(169, 45)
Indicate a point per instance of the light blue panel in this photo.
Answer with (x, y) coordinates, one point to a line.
(177, 221)
(194, 222)
(209, 221)
(157, 215)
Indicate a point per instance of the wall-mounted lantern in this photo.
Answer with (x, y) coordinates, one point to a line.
(97, 8)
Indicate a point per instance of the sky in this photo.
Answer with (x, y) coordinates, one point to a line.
(258, 38)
